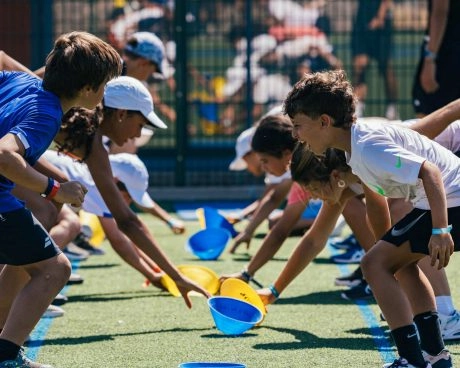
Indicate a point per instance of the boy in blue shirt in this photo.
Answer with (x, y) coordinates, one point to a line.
(35, 270)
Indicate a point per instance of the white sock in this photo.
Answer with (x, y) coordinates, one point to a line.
(445, 305)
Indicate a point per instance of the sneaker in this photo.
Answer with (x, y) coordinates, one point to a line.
(351, 280)
(347, 243)
(75, 279)
(82, 242)
(442, 360)
(450, 326)
(362, 291)
(403, 363)
(53, 311)
(352, 255)
(74, 256)
(60, 299)
(391, 112)
(22, 361)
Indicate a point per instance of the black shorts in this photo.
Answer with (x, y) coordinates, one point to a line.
(23, 240)
(376, 44)
(416, 227)
(447, 75)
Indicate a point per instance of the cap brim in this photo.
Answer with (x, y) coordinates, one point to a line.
(146, 135)
(238, 164)
(155, 121)
(141, 198)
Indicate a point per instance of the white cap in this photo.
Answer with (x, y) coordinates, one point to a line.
(242, 147)
(128, 93)
(131, 171)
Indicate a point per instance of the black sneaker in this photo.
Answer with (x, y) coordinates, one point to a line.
(351, 280)
(82, 241)
(345, 244)
(362, 291)
(60, 299)
(75, 279)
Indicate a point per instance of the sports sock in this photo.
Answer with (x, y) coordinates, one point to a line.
(8, 350)
(430, 332)
(406, 341)
(445, 305)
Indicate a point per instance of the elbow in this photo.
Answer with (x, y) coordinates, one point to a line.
(127, 223)
(5, 159)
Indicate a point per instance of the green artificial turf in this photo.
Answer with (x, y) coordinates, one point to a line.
(112, 321)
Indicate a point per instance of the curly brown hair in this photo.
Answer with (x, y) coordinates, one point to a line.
(323, 93)
(79, 126)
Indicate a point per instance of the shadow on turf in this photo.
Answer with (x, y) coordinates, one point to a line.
(331, 297)
(89, 339)
(92, 266)
(124, 295)
(304, 339)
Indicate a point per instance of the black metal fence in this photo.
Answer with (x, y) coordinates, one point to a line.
(211, 94)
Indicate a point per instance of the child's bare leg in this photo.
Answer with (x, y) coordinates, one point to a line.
(47, 278)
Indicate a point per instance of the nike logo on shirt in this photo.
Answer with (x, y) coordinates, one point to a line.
(399, 232)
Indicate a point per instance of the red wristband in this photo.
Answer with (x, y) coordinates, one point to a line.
(54, 190)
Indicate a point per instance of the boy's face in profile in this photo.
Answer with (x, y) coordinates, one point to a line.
(253, 164)
(311, 131)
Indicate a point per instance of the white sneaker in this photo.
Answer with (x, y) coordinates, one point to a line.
(450, 326)
(403, 363)
(391, 112)
(442, 360)
(53, 311)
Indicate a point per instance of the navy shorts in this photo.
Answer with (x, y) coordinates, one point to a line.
(23, 240)
(416, 228)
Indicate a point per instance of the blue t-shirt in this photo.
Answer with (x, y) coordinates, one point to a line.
(33, 115)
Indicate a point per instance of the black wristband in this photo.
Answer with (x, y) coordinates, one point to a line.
(49, 188)
(246, 276)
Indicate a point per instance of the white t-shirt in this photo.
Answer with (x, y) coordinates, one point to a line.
(387, 158)
(78, 171)
(449, 138)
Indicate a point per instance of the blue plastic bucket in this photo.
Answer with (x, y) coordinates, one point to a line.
(233, 316)
(208, 244)
(213, 219)
(211, 365)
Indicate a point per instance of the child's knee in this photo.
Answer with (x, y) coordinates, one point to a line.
(368, 264)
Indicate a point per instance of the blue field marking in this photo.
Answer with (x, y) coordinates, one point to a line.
(37, 337)
(381, 340)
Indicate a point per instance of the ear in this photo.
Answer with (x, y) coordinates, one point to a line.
(326, 120)
(121, 114)
(335, 174)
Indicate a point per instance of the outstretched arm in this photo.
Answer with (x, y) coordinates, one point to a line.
(311, 244)
(8, 63)
(267, 204)
(433, 124)
(129, 223)
(273, 241)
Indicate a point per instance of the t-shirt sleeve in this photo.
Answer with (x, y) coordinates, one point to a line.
(392, 162)
(298, 194)
(36, 132)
